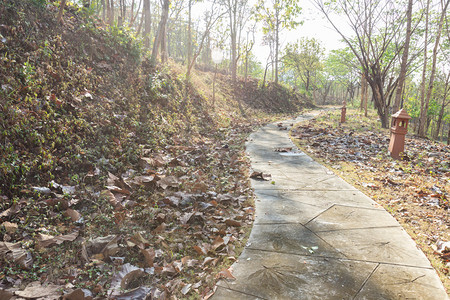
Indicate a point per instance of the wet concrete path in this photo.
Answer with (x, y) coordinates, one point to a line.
(317, 237)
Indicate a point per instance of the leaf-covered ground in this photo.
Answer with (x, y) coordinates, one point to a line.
(414, 190)
(116, 179)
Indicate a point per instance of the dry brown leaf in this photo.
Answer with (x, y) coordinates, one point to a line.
(109, 196)
(45, 240)
(36, 290)
(5, 295)
(200, 250)
(226, 273)
(77, 294)
(168, 181)
(10, 211)
(10, 227)
(233, 223)
(178, 266)
(260, 176)
(139, 240)
(149, 256)
(218, 242)
(17, 254)
(72, 214)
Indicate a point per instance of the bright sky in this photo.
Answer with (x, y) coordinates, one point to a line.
(314, 25)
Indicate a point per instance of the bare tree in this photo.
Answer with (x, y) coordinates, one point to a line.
(211, 17)
(378, 41)
(402, 76)
(238, 13)
(424, 106)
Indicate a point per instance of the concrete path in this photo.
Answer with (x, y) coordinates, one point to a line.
(317, 237)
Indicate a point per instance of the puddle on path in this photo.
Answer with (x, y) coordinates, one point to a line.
(292, 154)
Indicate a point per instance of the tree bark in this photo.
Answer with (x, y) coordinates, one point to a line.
(277, 43)
(161, 30)
(423, 114)
(111, 21)
(61, 11)
(403, 67)
(189, 35)
(148, 23)
(442, 110)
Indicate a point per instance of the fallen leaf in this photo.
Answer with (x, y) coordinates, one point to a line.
(186, 289)
(5, 295)
(226, 273)
(125, 278)
(260, 176)
(45, 240)
(168, 181)
(10, 227)
(200, 250)
(149, 256)
(72, 214)
(233, 223)
(137, 293)
(36, 290)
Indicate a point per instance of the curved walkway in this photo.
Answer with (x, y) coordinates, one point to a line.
(317, 237)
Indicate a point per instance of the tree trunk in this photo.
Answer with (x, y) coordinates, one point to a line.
(120, 17)
(442, 110)
(164, 57)
(277, 42)
(148, 23)
(61, 11)
(424, 107)
(111, 21)
(402, 77)
(103, 5)
(423, 131)
(161, 30)
(189, 35)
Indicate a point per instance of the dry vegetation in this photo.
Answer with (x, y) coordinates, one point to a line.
(117, 179)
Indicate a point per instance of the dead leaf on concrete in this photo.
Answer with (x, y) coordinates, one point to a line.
(261, 176)
(226, 274)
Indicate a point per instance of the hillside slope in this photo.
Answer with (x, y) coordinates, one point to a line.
(116, 178)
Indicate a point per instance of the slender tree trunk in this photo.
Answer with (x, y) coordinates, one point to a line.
(103, 10)
(161, 29)
(423, 107)
(189, 35)
(164, 57)
(61, 11)
(111, 22)
(442, 110)
(147, 18)
(277, 46)
(448, 135)
(423, 131)
(120, 17)
(402, 77)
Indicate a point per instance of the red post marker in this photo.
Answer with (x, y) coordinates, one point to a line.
(399, 129)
